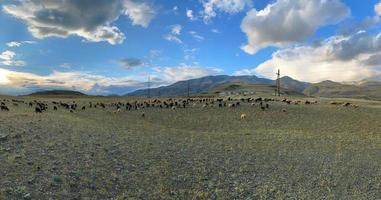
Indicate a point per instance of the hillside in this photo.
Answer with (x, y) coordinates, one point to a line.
(251, 84)
(209, 83)
(197, 86)
(363, 89)
(57, 93)
(254, 89)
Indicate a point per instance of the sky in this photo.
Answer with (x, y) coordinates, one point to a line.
(106, 47)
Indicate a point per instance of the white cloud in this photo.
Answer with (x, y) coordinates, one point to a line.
(195, 35)
(215, 30)
(173, 35)
(286, 22)
(227, 6)
(338, 58)
(190, 54)
(65, 65)
(377, 9)
(185, 72)
(176, 29)
(7, 55)
(7, 58)
(173, 38)
(18, 44)
(190, 15)
(65, 18)
(140, 13)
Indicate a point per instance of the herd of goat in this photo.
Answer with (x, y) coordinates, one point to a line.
(171, 103)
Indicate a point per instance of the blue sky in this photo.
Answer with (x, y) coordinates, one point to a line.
(120, 42)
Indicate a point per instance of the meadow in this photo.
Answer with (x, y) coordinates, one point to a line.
(318, 151)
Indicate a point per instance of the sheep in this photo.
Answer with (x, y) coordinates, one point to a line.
(117, 111)
(243, 116)
(37, 110)
(4, 108)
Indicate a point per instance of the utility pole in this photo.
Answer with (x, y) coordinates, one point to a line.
(149, 86)
(278, 83)
(188, 89)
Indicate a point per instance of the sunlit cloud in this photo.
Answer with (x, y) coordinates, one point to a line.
(64, 18)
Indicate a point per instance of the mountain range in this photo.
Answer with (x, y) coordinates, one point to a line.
(224, 83)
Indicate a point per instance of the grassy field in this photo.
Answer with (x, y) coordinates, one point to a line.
(317, 151)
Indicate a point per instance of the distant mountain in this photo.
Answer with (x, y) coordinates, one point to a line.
(292, 84)
(223, 83)
(362, 89)
(256, 89)
(199, 85)
(57, 93)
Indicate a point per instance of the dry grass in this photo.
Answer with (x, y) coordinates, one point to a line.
(309, 152)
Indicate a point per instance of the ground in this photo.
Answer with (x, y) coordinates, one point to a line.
(320, 151)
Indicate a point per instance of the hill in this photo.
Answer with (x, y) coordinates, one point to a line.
(365, 89)
(209, 84)
(57, 93)
(362, 89)
(252, 89)
(292, 84)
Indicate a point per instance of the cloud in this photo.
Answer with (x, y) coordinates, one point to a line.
(338, 58)
(190, 15)
(65, 65)
(190, 54)
(195, 35)
(140, 13)
(353, 26)
(377, 8)
(64, 18)
(129, 63)
(18, 44)
(211, 7)
(173, 35)
(286, 22)
(215, 30)
(7, 58)
(16, 83)
(176, 29)
(185, 72)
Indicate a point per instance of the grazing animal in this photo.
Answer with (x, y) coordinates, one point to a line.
(284, 110)
(243, 116)
(83, 107)
(117, 111)
(4, 108)
(143, 115)
(38, 110)
(55, 108)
